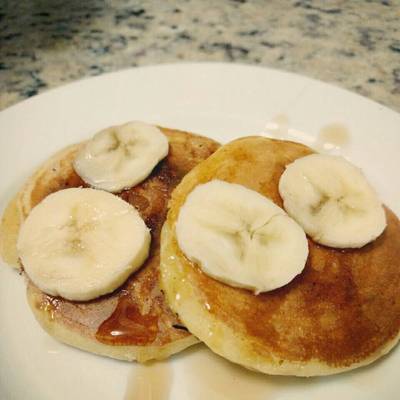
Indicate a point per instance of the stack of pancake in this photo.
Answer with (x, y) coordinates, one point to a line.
(341, 312)
(134, 322)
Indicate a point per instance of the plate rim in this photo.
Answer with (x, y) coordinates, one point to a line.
(197, 64)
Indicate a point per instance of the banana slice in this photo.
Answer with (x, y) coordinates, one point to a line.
(240, 237)
(332, 200)
(82, 243)
(120, 157)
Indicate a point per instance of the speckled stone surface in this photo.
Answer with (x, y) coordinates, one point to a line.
(353, 44)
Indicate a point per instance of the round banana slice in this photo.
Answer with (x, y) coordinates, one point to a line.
(82, 243)
(120, 157)
(240, 237)
(332, 200)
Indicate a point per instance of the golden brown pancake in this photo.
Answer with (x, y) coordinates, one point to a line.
(134, 322)
(341, 312)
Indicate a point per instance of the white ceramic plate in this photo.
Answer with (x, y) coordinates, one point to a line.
(222, 101)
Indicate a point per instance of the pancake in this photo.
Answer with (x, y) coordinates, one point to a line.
(341, 312)
(134, 322)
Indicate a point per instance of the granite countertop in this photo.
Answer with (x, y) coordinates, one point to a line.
(353, 44)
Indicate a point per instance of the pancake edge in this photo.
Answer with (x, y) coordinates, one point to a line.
(126, 353)
(14, 215)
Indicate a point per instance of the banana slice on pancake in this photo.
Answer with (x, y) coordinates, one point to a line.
(82, 243)
(332, 200)
(121, 156)
(240, 237)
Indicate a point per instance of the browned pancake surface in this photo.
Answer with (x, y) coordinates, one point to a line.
(343, 308)
(137, 313)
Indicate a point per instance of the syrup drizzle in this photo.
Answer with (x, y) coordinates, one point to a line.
(208, 376)
(149, 382)
(330, 140)
(50, 306)
(127, 326)
(332, 137)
